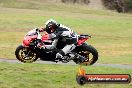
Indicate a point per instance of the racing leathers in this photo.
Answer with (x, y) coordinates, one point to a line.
(67, 35)
(64, 33)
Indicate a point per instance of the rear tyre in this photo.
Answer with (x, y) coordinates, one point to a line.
(89, 52)
(25, 55)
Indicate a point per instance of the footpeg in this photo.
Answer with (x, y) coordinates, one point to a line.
(80, 58)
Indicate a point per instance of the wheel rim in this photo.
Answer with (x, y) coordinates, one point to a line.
(26, 55)
(88, 55)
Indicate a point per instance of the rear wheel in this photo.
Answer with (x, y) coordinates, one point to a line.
(90, 54)
(25, 55)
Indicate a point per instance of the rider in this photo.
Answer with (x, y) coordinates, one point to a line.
(56, 31)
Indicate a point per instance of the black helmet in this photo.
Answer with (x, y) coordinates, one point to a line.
(51, 26)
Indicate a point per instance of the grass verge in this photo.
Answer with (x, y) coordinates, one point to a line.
(49, 76)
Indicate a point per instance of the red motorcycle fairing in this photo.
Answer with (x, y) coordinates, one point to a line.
(80, 41)
(27, 40)
(45, 37)
(82, 38)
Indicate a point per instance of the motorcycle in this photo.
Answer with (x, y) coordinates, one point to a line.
(28, 51)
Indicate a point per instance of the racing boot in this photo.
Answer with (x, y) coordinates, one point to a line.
(59, 56)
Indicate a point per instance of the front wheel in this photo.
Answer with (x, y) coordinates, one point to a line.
(89, 53)
(25, 55)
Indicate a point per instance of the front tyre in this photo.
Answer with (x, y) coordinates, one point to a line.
(25, 54)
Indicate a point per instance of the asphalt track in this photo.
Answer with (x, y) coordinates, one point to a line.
(121, 66)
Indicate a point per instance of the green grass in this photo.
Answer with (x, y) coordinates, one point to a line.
(49, 76)
(111, 32)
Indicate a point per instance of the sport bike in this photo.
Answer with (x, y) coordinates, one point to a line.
(28, 51)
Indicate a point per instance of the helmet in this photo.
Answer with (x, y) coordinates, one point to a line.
(51, 26)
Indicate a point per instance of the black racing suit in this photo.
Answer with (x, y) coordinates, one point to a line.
(66, 35)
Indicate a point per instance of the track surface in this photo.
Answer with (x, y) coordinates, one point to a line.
(122, 66)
